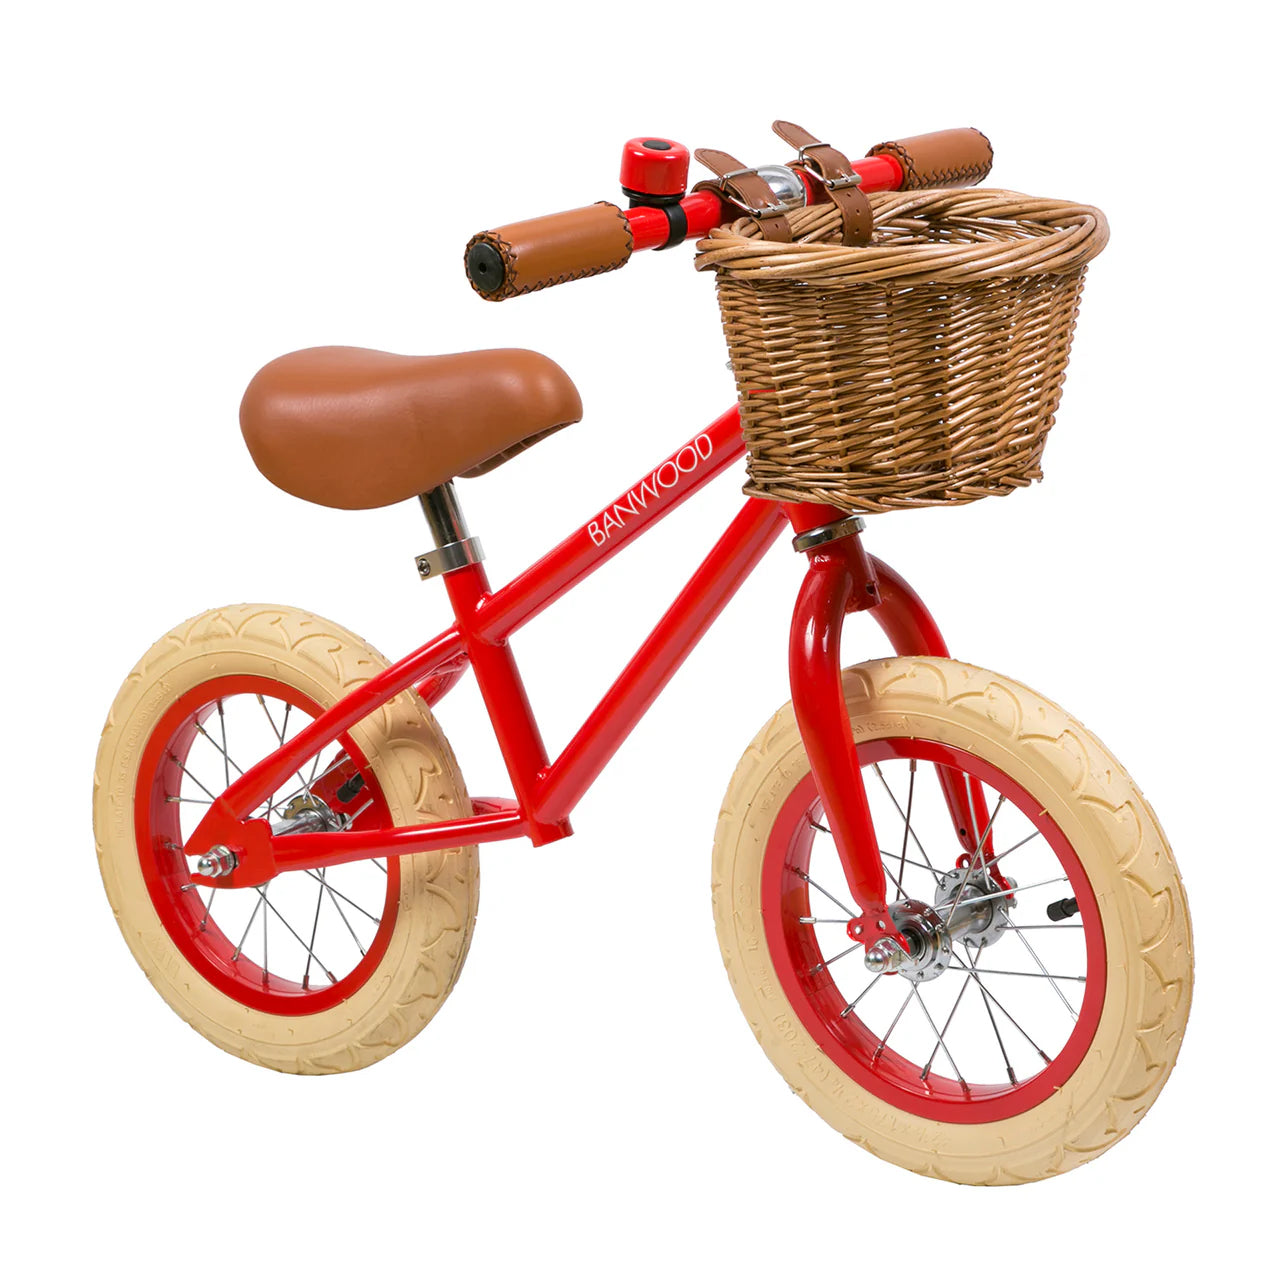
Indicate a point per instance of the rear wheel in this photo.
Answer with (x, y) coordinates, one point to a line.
(316, 971)
(1048, 987)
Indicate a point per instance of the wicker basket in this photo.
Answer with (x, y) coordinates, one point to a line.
(923, 368)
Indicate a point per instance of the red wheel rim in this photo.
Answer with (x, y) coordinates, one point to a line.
(825, 998)
(228, 962)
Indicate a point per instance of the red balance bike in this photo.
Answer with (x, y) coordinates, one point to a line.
(949, 915)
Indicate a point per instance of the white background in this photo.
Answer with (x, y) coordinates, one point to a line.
(191, 190)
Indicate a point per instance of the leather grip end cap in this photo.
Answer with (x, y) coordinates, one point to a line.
(486, 268)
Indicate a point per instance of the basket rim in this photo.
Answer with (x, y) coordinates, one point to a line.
(1073, 235)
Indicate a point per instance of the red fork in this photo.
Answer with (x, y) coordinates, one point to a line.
(840, 579)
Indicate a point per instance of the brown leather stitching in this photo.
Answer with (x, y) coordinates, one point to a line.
(951, 158)
(503, 240)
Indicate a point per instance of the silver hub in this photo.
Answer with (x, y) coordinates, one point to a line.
(929, 947)
(979, 922)
(307, 813)
(968, 908)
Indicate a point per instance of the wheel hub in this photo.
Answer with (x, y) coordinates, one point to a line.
(967, 908)
(974, 906)
(307, 813)
(929, 946)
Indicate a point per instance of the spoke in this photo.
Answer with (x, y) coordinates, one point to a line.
(994, 814)
(315, 768)
(357, 906)
(903, 816)
(826, 964)
(380, 865)
(822, 891)
(924, 866)
(226, 767)
(940, 1043)
(1005, 893)
(986, 1004)
(1015, 847)
(280, 732)
(186, 800)
(208, 906)
(906, 830)
(235, 955)
(1022, 928)
(266, 916)
(227, 762)
(889, 872)
(297, 791)
(311, 955)
(884, 1039)
(977, 973)
(1047, 974)
(315, 922)
(817, 826)
(977, 859)
(1024, 973)
(853, 1004)
(820, 920)
(343, 914)
(192, 776)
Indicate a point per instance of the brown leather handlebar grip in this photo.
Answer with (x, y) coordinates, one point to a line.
(525, 256)
(949, 158)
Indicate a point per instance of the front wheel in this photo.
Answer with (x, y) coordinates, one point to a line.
(1050, 980)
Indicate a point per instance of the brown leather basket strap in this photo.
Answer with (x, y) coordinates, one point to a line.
(523, 257)
(747, 189)
(837, 175)
(949, 158)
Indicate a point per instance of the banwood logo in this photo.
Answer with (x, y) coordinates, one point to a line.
(634, 501)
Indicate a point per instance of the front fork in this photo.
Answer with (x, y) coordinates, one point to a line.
(842, 579)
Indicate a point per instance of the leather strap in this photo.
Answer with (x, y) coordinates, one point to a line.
(748, 190)
(837, 175)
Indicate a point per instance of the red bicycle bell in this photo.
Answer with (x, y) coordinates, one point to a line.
(655, 171)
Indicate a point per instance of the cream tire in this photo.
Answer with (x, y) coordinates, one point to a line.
(1124, 853)
(419, 779)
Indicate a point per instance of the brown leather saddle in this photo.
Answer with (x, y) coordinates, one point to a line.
(352, 428)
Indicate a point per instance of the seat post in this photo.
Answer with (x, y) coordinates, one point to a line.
(455, 547)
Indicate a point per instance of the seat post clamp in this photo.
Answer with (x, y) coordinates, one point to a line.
(451, 556)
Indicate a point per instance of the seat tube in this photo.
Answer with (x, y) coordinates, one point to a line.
(457, 559)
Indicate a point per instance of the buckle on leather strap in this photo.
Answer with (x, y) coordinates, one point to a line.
(831, 168)
(729, 193)
(746, 189)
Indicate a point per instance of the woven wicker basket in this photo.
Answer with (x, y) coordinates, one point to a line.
(923, 368)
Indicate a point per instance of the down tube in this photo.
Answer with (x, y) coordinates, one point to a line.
(735, 555)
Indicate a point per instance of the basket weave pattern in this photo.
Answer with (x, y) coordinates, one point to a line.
(924, 368)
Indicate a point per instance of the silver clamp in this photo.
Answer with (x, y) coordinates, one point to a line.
(451, 556)
(825, 533)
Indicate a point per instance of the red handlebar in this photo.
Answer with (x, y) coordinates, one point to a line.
(523, 257)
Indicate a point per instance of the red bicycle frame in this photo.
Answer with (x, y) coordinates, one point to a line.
(841, 578)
